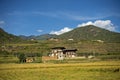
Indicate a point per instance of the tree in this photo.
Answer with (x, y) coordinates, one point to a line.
(22, 58)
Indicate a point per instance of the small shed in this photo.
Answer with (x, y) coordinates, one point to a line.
(30, 59)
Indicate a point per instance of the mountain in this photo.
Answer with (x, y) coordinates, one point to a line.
(40, 37)
(45, 36)
(91, 32)
(27, 37)
(7, 38)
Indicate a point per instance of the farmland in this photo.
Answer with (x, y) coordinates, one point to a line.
(105, 65)
(101, 70)
(10, 52)
(45, 46)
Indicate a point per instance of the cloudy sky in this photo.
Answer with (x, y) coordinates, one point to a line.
(36, 17)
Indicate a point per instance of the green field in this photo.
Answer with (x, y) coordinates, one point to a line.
(102, 67)
(102, 70)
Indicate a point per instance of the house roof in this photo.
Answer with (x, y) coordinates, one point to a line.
(58, 48)
(69, 50)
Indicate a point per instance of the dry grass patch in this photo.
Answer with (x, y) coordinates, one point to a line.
(82, 71)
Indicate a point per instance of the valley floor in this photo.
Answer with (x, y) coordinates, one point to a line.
(101, 70)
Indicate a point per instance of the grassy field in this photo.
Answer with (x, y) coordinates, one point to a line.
(102, 67)
(102, 70)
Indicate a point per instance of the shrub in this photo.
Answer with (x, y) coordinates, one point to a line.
(22, 58)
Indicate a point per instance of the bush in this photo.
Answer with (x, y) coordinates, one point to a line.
(22, 58)
(39, 54)
(4, 53)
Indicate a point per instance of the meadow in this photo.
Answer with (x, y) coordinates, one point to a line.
(100, 70)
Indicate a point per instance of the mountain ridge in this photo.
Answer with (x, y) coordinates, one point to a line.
(7, 37)
(91, 32)
(38, 37)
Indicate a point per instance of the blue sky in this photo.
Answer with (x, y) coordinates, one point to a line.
(36, 17)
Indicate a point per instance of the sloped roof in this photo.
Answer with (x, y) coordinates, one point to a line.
(68, 50)
(58, 48)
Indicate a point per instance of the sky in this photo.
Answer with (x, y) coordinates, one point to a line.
(37, 17)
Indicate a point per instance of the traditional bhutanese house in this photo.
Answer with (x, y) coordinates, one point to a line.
(69, 53)
(60, 53)
(57, 52)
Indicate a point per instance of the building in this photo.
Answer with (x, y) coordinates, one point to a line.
(61, 53)
(53, 39)
(69, 53)
(30, 59)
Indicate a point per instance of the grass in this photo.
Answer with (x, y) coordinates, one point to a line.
(9, 59)
(103, 70)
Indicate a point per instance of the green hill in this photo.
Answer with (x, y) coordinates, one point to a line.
(91, 32)
(45, 36)
(39, 37)
(8, 38)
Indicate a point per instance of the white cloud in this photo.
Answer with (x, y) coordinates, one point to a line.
(64, 30)
(63, 15)
(74, 16)
(33, 13)
(58, 14)
(39, 30)
(106, 24)
(2, 23)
